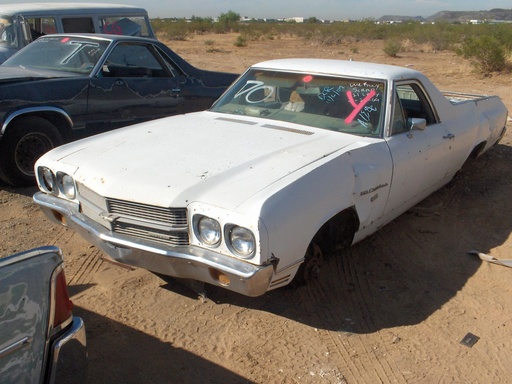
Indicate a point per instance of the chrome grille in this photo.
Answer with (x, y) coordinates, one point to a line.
(160, 224)
(168, 226)
(160, 236)
(174, 217)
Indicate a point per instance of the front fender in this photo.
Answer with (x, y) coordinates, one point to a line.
(359, 178)
(299, 208)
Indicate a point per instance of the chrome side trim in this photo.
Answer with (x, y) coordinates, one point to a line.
(15, 346)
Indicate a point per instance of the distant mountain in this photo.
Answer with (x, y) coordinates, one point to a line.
(465, 16)
(456, 16)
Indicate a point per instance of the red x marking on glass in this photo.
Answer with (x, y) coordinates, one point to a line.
(357, 107)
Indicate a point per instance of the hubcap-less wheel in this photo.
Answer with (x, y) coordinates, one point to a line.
(313, 262)
(25, 140)
(30, 148)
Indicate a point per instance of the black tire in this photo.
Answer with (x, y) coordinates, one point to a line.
(26, 139)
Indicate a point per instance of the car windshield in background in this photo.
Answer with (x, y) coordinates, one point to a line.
(57, 53)
(338, 104)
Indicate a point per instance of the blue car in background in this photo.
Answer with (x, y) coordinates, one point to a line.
(67, 86)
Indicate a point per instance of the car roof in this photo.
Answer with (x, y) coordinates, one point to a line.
(67, 8)
(355, 69)
(103, 36)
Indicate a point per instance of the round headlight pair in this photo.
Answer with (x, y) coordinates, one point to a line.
(62, 182)
(239, 240)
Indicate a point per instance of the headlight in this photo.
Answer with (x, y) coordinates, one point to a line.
(47, 179)
(242, 241)
(208, 230)
(66, 185)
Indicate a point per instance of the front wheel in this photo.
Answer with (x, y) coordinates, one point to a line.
(310, 269)
(26, 139)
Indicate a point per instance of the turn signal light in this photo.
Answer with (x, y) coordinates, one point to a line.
(220, 277)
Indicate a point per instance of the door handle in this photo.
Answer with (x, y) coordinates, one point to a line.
(119, 82)
(449, 136)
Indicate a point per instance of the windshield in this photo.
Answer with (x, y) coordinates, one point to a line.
(66, 54)
(352, 106)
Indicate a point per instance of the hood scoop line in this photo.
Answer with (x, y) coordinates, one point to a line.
(239, 121)
(288, 129)
(271, 126)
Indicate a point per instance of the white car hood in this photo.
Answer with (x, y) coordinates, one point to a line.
(218, 159)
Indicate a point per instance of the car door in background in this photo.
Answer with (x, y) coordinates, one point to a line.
(133, 84)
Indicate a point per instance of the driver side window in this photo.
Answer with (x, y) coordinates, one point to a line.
(410, 102)
(132, 60)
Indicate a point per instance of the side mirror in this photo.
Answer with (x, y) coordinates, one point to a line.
(416, 124)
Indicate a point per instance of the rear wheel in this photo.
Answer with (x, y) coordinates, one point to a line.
(26, 139)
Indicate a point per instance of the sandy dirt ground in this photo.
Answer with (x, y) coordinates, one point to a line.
(392, 309)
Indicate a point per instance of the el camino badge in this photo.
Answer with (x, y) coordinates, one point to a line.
(371, 190)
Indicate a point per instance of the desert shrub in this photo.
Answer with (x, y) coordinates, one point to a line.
(485, 52)
(240, 41)
(215, 50)
(392, 48)
(252, 35)
(435, 36)
(503, 33)
(228, 22)
(369, 30)
(330, 39)
(175, 30)
(174, 35)
(439, 36)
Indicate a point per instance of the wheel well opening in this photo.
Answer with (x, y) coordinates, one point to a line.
(477, 150)
(338, 231)
(59, 121)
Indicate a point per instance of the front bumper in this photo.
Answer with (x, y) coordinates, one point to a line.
(184, 262)
(68, 359)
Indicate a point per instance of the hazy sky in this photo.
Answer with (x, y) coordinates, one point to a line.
(322, 9)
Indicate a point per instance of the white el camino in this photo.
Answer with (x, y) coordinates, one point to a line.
(297, 156)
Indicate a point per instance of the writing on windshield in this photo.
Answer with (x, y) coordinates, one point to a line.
(334, 103)
(60, 54)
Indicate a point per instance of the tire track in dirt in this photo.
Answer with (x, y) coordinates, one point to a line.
(82, 261)
(89, 264)
(345, 296)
